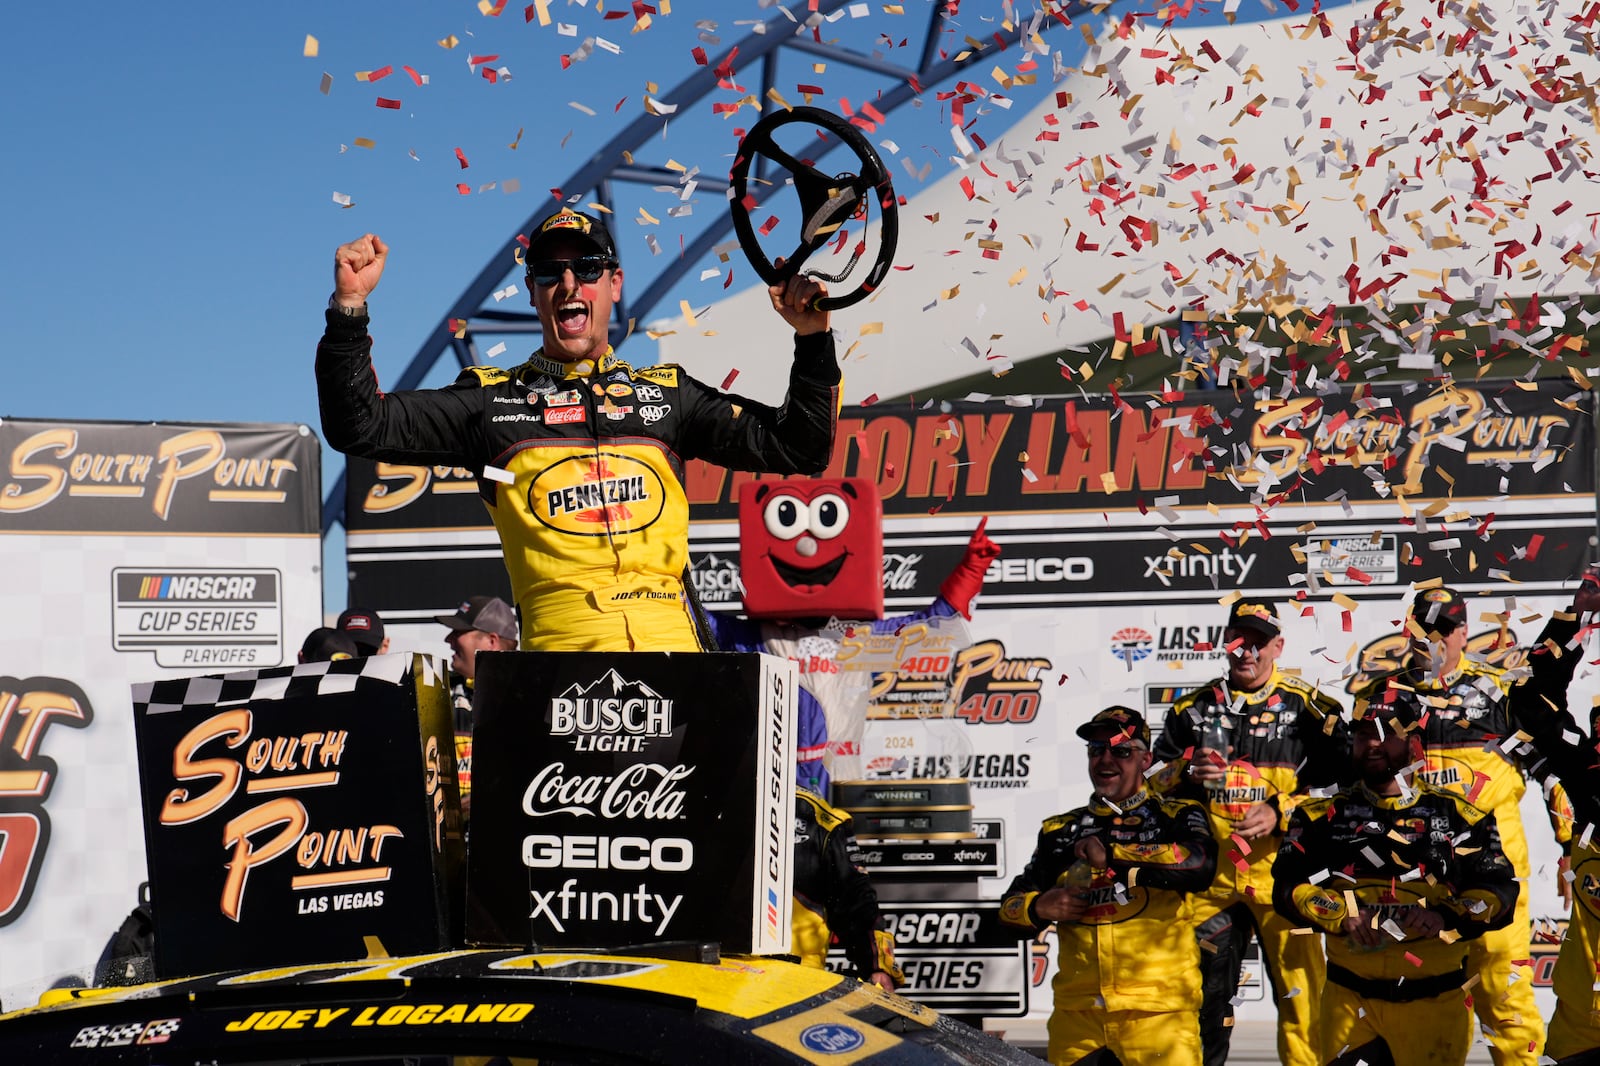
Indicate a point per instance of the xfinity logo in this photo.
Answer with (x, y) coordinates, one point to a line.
(1227, 563)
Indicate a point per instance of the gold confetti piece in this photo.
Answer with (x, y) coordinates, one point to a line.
(1014, 279)
(513, 144)
(1345, 601)
(365, 142)
(819, 68)
(776, 97)
(688, 312)
(1231, 598)
(673, 164)
(648, 217)
(450, 41)
(950, 294)
(871, 327)
(311, 47)
(1108, 482)
(602, 208)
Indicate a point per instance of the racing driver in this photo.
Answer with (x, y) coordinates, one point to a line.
(579, 455)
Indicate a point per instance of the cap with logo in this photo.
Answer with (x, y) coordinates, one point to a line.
(1439, 610)
(1391, 706)
(326, 644)
(1116, 723)
(490, 614)
(363, 627)
(1254, 615)
(567, 222)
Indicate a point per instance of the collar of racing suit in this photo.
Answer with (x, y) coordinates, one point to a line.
(1257, 694)
(1100, 805)
(538, 362)
(1407, 797)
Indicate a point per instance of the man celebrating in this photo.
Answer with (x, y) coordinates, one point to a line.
(579, 455)
(1115, 878)
(1469, 717)
(1398, 876)
(1278, 738)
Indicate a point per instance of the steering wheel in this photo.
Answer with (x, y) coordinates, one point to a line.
(826, 203)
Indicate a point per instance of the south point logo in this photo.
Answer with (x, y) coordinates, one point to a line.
(612, 714)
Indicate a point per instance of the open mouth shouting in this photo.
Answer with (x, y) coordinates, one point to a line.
(572, 318)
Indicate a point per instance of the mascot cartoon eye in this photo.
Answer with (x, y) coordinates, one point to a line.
(829, 516)
(785, 517)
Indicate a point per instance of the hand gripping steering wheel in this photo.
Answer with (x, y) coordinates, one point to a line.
(826, 203)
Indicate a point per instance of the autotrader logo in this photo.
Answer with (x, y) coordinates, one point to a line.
(831, 1038)
(1131, 644)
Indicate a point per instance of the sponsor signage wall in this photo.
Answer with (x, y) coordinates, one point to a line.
(130, 552)
(1124, 522)
(291, 812)
(626, 798)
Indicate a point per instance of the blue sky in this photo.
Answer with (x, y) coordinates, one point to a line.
(172, 169)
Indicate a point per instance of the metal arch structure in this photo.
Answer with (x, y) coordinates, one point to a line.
(783, 33)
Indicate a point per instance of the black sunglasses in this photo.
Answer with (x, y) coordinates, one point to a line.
(1120, 751)
(586, 269)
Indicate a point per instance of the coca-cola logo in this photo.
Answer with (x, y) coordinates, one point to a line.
(900, 571)
(644, 790)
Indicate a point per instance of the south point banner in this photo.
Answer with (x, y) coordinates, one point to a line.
(1127, 522)
(130, 552)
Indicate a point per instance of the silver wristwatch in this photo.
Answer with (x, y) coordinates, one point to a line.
(353, 312)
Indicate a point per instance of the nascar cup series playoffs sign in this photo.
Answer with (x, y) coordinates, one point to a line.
(622, 799)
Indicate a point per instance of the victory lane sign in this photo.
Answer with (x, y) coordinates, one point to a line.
(625, 799)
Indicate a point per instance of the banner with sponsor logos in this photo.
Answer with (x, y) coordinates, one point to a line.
(131, 552)
(620, 799)
(1125, 522)
(294, 811)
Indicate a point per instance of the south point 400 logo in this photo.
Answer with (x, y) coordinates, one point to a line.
(611, 714)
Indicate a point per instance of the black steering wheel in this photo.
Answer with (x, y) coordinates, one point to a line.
(826, 203)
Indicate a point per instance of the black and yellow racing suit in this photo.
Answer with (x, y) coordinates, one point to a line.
(1566, 751)
(1128, 971)
(582, 472)
(1468, 750)
(1286, 738)
(1426, 847)
(833, 898)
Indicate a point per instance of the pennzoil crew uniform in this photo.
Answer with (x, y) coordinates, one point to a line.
(1287, 738)
(1425, 847)
(593, 520)
(1561, 743)
(1128, 971)
(832, 895)
(1470, 718)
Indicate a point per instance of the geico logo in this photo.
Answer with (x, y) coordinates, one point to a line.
(917, 856)
(636, 717)
(946, 927)
(546, 852)
(1069, 568)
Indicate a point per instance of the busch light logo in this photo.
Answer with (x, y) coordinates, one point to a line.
(612, 714)
(716, 579)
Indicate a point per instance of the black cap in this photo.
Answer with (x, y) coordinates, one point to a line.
(1439, 610)
(1392, 706)
(1256, 615)
(1113, 722)
(572, 223)
(490, 614)
(363, 627)
(326, 644)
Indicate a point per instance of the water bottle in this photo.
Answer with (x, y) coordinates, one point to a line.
(1215, 737)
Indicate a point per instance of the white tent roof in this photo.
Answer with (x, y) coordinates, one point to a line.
(1249, 167)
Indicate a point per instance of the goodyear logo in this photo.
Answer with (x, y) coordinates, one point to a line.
(595, 495)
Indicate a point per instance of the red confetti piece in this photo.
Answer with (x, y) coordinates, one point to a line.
(392, 105)
(769, 225)
(380, 73)
(699, 56)
(728, 381)
(464, 190)
(461, 157)
(1412, 959)
(966, 187)
(491, 75)
(1535, 542)
(1344, 620)
(473, 61)
(414, 75)
(1358, 575)
(870, 400)
(809, 90)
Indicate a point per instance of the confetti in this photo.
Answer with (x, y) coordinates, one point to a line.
(310, 50)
